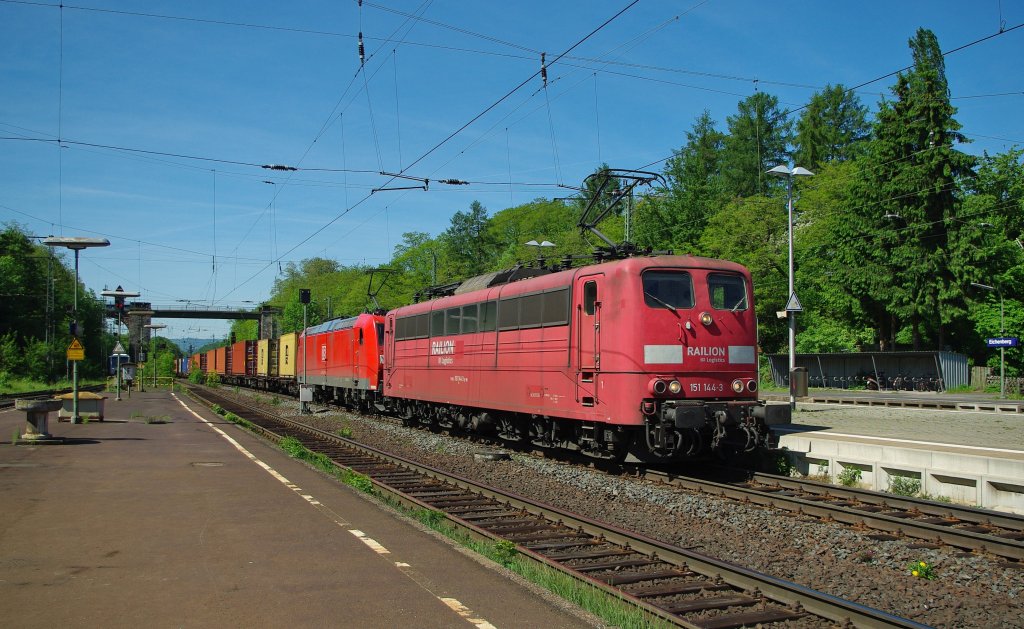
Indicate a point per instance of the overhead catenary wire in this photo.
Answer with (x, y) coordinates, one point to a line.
(449, 137)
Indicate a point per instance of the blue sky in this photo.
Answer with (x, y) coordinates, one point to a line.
(245, 84)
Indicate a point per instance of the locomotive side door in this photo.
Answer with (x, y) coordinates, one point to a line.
(588, 290)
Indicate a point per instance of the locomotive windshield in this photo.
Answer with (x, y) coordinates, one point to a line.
(668, 289)
(727, 292)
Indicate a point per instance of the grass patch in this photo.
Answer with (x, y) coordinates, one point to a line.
(12, 385)
(294, 448)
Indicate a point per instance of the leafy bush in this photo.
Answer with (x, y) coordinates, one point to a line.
(212, 379)
(904, 486)
(849, 477)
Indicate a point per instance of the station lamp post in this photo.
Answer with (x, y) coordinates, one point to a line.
(792, 303)
(154, 327)
(76, 244)
(119, 295)
(1002, 350)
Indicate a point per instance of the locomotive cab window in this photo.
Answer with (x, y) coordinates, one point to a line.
(668, 289)
(380, 334)
(727, 292)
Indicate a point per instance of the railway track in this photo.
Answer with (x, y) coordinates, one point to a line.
(925, 524)
(675, 584)
(893, 517)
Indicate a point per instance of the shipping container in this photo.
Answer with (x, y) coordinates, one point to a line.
(287, 355)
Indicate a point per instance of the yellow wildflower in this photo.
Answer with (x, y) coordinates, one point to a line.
(914, 572)
(924, 565)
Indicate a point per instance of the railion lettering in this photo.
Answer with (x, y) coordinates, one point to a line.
(442, 348)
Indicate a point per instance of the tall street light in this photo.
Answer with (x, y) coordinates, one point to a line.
(792, 304)
(119, 295)
(76, 244)
(1002, 350)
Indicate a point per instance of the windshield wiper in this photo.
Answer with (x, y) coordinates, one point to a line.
(741, 302)
(662, 302)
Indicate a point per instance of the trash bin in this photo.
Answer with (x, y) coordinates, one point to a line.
(798, 381)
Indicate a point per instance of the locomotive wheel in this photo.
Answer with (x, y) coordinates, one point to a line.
(511, 428)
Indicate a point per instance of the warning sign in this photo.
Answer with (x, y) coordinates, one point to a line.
(76, 351)
(793, 305)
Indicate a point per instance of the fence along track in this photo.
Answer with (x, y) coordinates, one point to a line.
(677, 585)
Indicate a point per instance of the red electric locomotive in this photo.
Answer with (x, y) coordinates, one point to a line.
(651, 357)
(341, 360)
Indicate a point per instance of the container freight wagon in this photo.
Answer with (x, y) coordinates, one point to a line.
(221, 366)
(266, 358)
(283, 356)
(241, 367)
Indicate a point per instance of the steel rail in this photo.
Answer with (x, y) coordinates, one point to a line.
(898, 518)
(793, 596)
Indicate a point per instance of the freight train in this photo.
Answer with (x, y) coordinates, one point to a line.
(649, 359)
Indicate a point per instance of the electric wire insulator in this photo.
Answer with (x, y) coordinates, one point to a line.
(543, 69)
(362, 50)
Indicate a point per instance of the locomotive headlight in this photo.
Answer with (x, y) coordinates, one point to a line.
(658, 386)
(705, 318)
(737, 386)
(674, 387)
(752, 386)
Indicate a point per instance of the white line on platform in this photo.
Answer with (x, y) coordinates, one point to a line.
(369, 541)
(466, 613)
(828, 435)
(405, 568)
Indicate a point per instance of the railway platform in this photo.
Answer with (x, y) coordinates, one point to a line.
(166, 516)
(965, 447)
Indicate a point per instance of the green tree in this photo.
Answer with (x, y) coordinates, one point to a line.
(912, 173)
(759, 135)
(467, 244)
(833, 127)
(675, 217)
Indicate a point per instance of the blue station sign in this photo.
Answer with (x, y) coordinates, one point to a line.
(1007, 341)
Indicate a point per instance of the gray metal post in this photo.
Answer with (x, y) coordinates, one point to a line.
(75, 419)
(118, 355)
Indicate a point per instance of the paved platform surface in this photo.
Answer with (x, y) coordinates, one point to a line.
(929, 424)
(137, 523)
